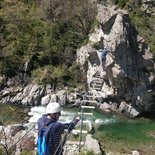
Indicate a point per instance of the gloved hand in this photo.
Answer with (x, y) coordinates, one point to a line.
(76, 120)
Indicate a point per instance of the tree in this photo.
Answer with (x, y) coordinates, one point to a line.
(81, 13)
(69, 25)
(50, 75)
(47, 33)
(22, 33)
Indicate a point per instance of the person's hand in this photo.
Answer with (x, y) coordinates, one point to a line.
(77, 119)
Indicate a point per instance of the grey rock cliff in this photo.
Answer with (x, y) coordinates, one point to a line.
(129, 73)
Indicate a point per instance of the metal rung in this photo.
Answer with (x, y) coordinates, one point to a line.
(89, 102)
(99, 78)
(85, 122)
(85, 113)
(78, 131)
(74, 143)
(89, 107)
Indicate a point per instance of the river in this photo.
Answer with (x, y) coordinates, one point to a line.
(121, 134)
(117, 133)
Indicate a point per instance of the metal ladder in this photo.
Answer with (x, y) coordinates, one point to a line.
(80, 143)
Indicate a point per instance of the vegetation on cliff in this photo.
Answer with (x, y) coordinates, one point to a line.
(47, 34)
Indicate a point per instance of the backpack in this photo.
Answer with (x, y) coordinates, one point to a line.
(41, 142)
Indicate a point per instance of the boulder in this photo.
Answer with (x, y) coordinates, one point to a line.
(92, 144)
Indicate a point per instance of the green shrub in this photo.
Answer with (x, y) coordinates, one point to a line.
(9, 66)
(77, 77)
(60, 76)
(98, 45)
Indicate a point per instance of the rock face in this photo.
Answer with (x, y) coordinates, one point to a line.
(18, 138)
(129, 74)
(93, 145)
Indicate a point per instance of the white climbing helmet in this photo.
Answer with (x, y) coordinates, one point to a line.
(53, 107)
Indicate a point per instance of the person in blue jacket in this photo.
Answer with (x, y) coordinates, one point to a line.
(103, 56)
(50, 130)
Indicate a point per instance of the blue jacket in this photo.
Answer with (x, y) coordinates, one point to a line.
(49, 135)
(104, 53)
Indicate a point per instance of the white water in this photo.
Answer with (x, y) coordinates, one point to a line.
(37, 112)
(104, 121)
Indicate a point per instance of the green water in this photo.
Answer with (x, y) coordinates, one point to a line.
(127, 129)
(130, 131)
(119, 127)
(123, 134)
